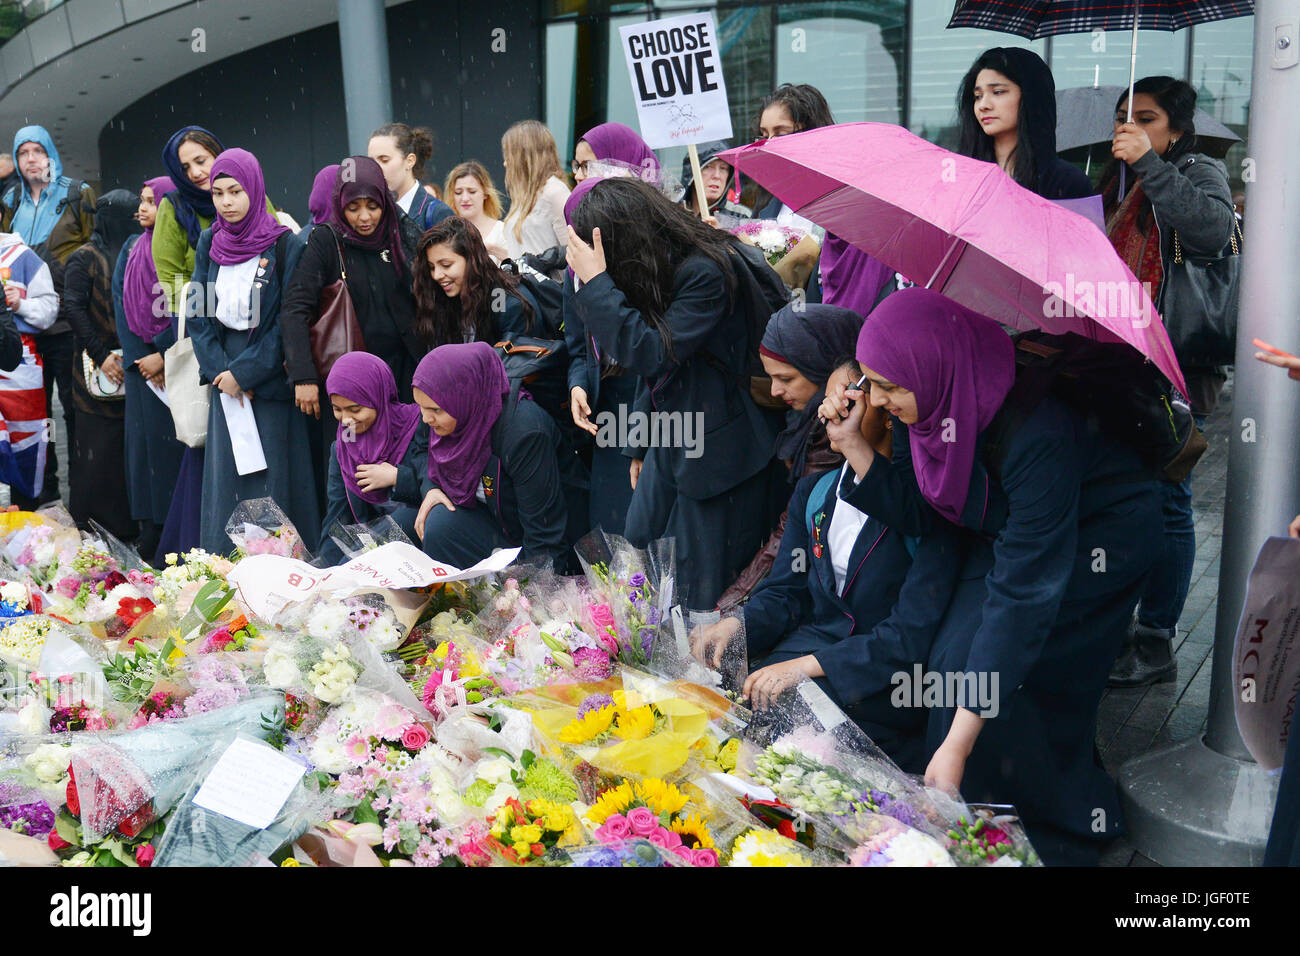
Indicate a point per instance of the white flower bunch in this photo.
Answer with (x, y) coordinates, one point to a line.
(802, 783)
(332, 677)
(767, 848)
(15, 593)
(49, 762)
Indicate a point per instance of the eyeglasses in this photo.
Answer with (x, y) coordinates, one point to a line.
(579, 168)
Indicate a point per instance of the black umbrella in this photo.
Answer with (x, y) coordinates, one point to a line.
(1085, 115)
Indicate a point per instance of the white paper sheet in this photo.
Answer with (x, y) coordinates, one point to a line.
(244, 440)
(250, 783)
(160, 392)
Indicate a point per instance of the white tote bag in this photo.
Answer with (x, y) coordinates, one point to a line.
(189, 400)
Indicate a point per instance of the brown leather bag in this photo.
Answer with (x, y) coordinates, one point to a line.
(336, 330)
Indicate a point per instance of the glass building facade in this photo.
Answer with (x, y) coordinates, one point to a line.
(891, 61)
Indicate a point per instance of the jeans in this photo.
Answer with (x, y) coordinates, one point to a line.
(1171, 576)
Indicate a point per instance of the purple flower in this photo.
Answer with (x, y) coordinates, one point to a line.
(33, 819)
(601, 857)
(594, 701)
(637, 580)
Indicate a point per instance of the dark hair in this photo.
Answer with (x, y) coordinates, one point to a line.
(1178, 100)
(973, 141)
(441, 319)
(418, 141)
(201, 138)
(646, 238)
(809, 110)
(847, 361)
(805, 103)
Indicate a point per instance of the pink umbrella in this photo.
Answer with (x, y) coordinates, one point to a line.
(964, 228)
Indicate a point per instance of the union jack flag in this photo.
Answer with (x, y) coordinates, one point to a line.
(24, 429)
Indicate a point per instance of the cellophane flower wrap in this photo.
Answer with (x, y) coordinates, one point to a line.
(631, 593)
(258, 526)
(773, 239)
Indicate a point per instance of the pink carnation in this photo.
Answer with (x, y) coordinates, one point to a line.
(590, 664)
(643, 821)
(415, 737)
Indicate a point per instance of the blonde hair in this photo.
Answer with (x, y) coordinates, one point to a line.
(472, 167)
(531, 159)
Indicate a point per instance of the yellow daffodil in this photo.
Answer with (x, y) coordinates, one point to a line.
(587, 727)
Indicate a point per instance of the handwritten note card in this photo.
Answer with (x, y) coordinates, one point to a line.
(249, 783)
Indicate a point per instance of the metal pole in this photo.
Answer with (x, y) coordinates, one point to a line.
(367, 90)
(1203, 801)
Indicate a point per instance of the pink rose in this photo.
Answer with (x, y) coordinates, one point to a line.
(144, 854)
(616, 827)
(685, 853)
(415, 737)
(643, 821)
(704, 857)
(601, 615)
(665, 838)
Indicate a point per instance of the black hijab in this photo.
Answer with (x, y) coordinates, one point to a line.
(115, 223)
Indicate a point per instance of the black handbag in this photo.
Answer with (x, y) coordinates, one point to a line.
(1199, 304)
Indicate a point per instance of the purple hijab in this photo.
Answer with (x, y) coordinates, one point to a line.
(851, 279)
(622, 143)
(236, 242)
(140, 280)
(959, 364)
(320, 202)
(367, 182)
(469, 383)
(367, 380)
(575, 197)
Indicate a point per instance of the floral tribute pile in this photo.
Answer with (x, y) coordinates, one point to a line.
(519, 719)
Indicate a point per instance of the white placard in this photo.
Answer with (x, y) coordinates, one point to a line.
(245, 442)
(161, 393)
(675, 66)
(249, 783)
(268, 582)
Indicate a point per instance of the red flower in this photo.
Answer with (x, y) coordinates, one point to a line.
(217, 640)
(113, 580)
(136, 822)
(993, 836)
(537, 849)
(130, 610)
(786, 829)
(144, 854)
(56, 842)
(35, 602)
(73, 800)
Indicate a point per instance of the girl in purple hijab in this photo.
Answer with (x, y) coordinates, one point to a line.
(614, 143)
(240, 268)
(378, 460)
(1064, 516)
(494, 477)
(321, 201)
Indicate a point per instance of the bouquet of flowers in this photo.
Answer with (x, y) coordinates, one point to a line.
(258, 526)
(520, 834)
(24, 810)
(652, 809)
(631, 593)
(499, 777)
(885, 841)
(773, 239)
(768, 848)
(184, 577)
(45, 540)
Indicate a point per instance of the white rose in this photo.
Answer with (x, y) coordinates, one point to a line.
(34, 718)
(49, 762)
(494, 771)
(281, 672)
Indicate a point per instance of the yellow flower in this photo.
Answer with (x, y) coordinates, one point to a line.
(440, 652)
(659, 796)
(636, 724)
(531, 833)
(556, 816)
(524, 850)
(693, 827)
(615, 800)
(729, 755)
(589, 726)
(290, 861)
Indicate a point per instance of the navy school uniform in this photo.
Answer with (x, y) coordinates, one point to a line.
(426, 211)
(880, 625)
(1043, 603)
(611, 486)
(256, 359)
(153, 455)
(404, 498)
(718, 505)
(530, 492)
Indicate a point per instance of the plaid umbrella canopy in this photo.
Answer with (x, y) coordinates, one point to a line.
(1034, 19)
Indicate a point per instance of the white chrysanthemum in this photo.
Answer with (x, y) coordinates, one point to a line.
(383, 634)
(125, 590)
(14, 593)
(913, 848)
(327, 754)
(326, 621)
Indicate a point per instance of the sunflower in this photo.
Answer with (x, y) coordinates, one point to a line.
(587, 727)
(636, 724)
(614, 800)
(659, 796)
(693, 828)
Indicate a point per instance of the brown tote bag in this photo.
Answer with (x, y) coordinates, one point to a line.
(336, 330)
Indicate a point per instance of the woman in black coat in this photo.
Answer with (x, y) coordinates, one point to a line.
(661, 295)
(367, 236)
(496, 477)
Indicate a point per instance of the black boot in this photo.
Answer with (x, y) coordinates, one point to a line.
(1148, 659)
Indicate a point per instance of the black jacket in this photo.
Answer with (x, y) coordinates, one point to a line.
(346, 508)
(384, 303)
